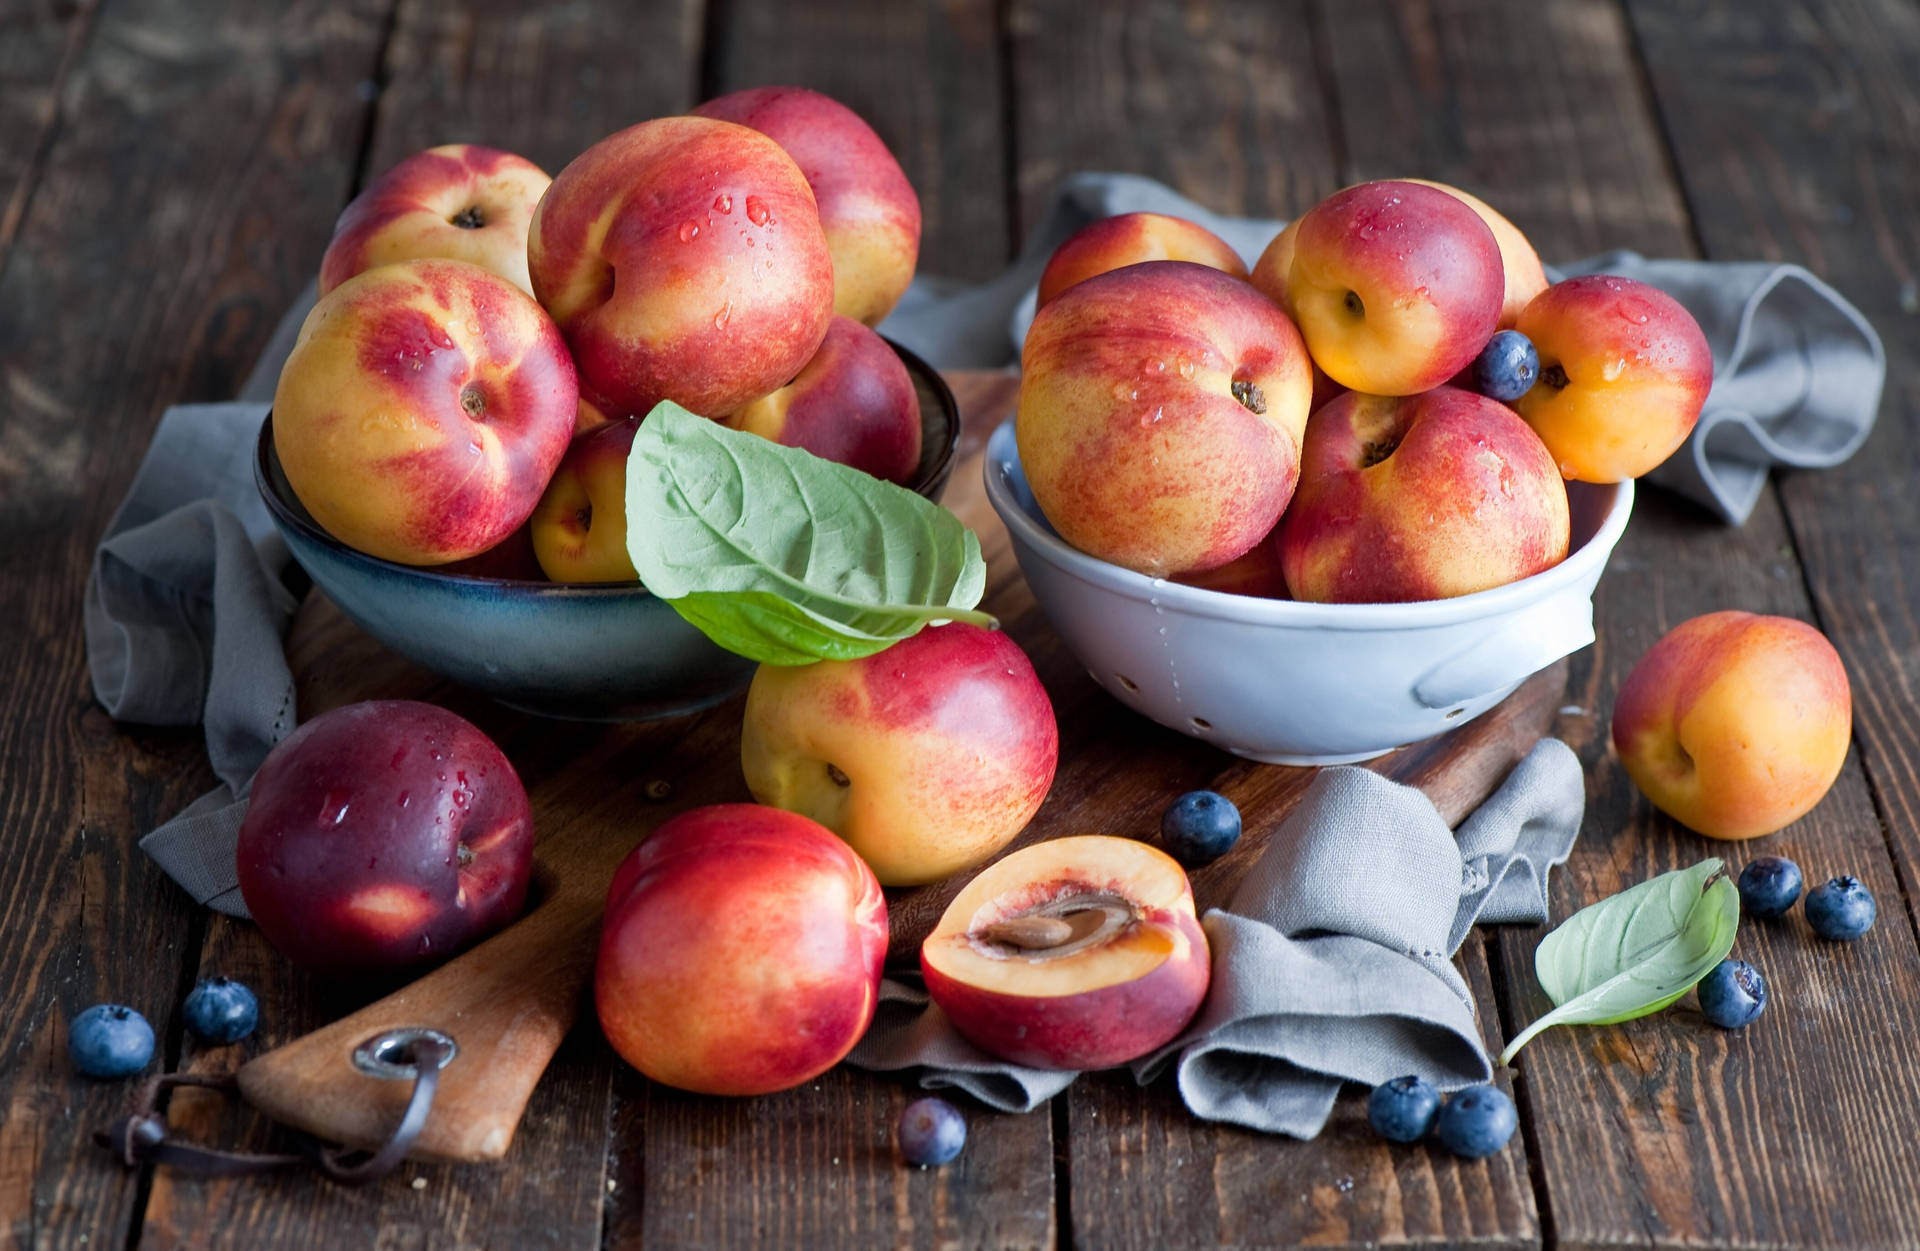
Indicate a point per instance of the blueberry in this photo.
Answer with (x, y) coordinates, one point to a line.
(221, 1011)
(1842, 909)
(1200, 827)
(1477, 1121)
(1507, 367)
(109, 1040)
(1403, 1110)
(931, 1132)
(1768, 887)
(1733, 995)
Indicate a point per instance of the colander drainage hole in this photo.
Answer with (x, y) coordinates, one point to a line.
(1127, 683)
(1455, 714)
(1201, 723)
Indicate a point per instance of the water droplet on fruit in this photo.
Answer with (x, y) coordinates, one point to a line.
(1184, 367)
(757, 212)
(723, 316)
(426, 943)
(333, 809)
(406, 797)
(399, 756)
(749, 243)
(1613, 369)
(689, 231)
(723, 203)
(1125, 391)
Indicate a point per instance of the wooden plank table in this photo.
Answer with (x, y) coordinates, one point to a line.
(169, 172)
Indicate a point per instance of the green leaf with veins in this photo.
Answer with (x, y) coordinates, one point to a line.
(1635, 953)
(784, 557)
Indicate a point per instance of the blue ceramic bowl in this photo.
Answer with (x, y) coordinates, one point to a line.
(603, 652)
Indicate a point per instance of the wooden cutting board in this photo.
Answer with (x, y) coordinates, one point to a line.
(597, 790)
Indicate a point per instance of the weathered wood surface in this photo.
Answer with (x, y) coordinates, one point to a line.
(169, 171)
(542, 81)
(1632, 1128)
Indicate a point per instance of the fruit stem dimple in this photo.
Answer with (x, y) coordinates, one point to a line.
(464, 854)
(1355, 305)
(1250, 395)
(473, 400)
(1373, 453)
(1554, 375)
(468, 218)
(839, 778)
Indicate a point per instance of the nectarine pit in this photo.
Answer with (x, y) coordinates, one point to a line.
(1058, 927)
(468, 218)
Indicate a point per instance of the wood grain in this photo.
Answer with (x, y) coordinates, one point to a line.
(545, 82)
(1799, 142)
(1221, 101)
(926, 76)
(36, 55)
(1230, 105)
(143, 271)
(1633, 1127)
(1191, 1183)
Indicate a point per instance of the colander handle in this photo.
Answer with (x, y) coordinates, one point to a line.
(1528, 642)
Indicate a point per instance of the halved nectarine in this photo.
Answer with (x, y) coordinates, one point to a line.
(1079, 953)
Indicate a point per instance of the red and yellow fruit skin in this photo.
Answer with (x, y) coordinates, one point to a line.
(1427, 276)
(1637, 370)
(683, 259)
(580, 525)
(868, 209)
(1258, 573)
(741, 952)
(384, 835)
(854, 403)
(1735, 724)
(1524, 276)
(511, 558)
(946, 742)
(415, 211)
(423, 409)
(1128, 239)
(1269, 275)
(1520, 265)
(1076, 1015)
(1131, 438)
(1466, 500)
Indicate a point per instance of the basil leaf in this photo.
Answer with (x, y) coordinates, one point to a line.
(786, 558)
(1634, 953)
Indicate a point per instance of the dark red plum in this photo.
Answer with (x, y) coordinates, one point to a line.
(383, 836)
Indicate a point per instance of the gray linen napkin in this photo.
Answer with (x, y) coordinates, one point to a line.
(184, 613)
(1332, 963)
(1797, 369)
